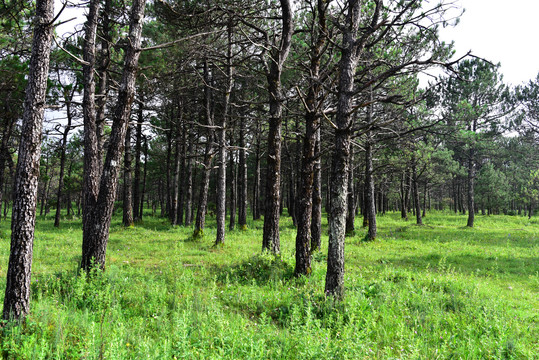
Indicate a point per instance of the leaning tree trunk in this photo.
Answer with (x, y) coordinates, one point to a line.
(271, 240)
(96, 231)
(339, 174)
(17, 295)
(128, 190)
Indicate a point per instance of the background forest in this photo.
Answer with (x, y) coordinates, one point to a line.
(188, 135)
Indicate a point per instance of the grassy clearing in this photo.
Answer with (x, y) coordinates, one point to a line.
(440, 291)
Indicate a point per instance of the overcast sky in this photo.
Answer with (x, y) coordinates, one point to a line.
(500, 31)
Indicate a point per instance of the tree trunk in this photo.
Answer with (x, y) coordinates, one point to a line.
(316, 222)
(370, 205)
(128, 191)
(137, 216)
(271, 239)
(233, 188)
(471, 177)
(350, 213)
(419, 220)
(141, 212)
(17, 295)
(309, 185)
(189, 181)
(175, 186)
(242, 180)
(99, 209)
(256, 186)
(339, 174)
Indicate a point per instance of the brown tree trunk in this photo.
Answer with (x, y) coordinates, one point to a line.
(99, 209)
(419, 220)
(175, 187)
(242, 179)
(137, 216)
(309, 184)
(189, 181)
(17, 295)
(233, 188)
(339, 174)
(128, 190)
(350, 213)
(256, 186)
(316, 222)
(208, 157)
(271, 239)
(370, 204)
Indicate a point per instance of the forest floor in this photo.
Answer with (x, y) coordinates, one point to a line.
(440, 291)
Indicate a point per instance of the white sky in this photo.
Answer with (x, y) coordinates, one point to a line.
(497, 30)
(500, 31)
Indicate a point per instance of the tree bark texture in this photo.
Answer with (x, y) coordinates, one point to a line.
(137, 216)
(350, 52)
(17, 295)
(242, 179)
(96, 229)
(271, 239)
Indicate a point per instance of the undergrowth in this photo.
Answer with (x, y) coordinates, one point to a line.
(439, 291)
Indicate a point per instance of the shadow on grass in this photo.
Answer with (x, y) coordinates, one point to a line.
(257, 270)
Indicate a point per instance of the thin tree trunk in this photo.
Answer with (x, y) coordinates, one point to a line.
(208, 157)
(143, 192)
(350, 214)
(316, 222)
(138, 147)
(256, 186)
(233, 188)
(370, 205)
(189, 182)
(17, 294)
(242, 179)
(175, 187)
(128, 191)
(419, 220)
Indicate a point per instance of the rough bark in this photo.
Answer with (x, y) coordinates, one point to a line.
(271, 239)
(96, 230)
(17, 295)
(305, 241)
(339, 174)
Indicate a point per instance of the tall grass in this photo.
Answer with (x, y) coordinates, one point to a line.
(441, 291)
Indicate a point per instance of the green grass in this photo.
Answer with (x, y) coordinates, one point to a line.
(440, 291)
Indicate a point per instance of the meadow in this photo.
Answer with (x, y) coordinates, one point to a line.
(439, 291)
